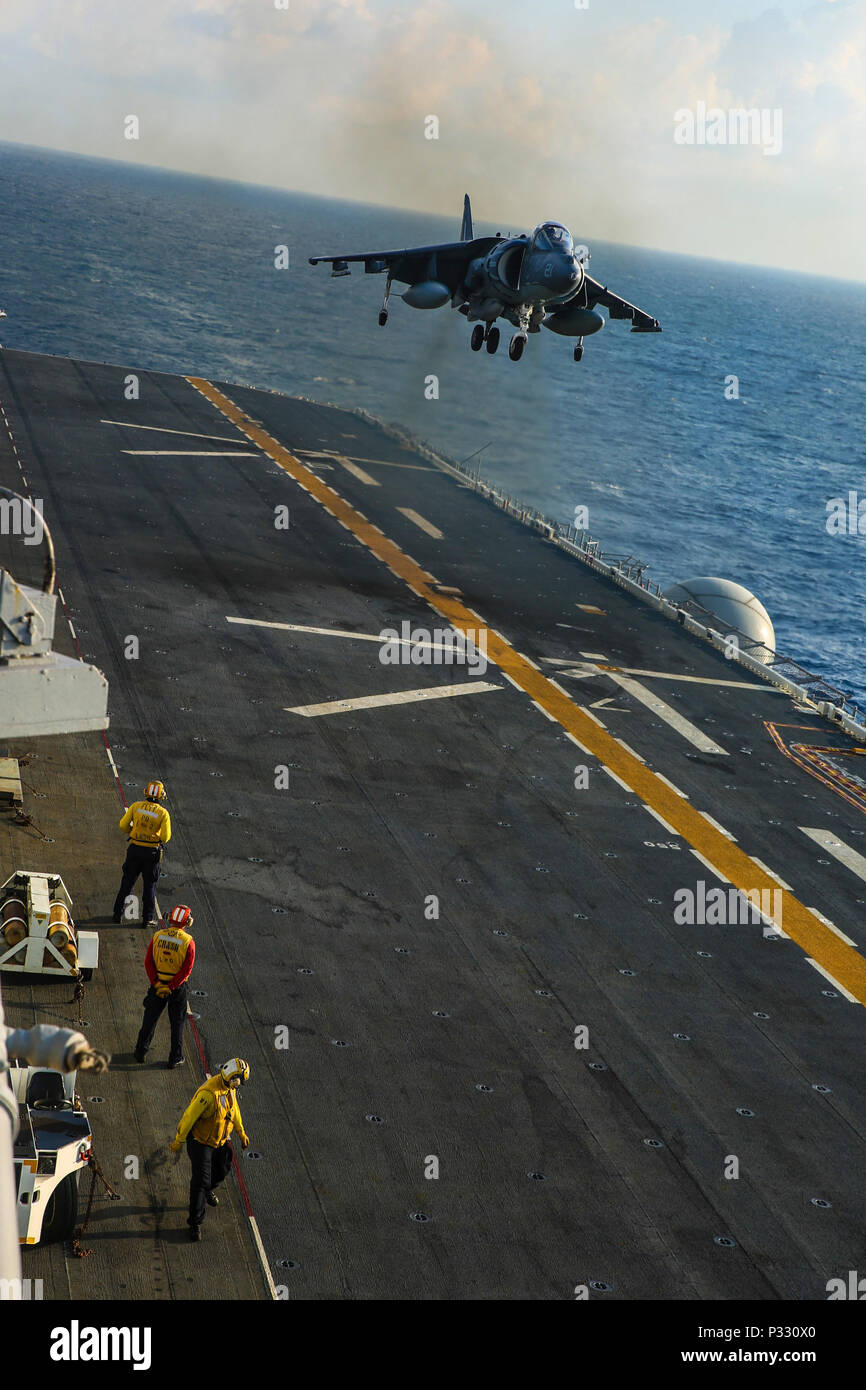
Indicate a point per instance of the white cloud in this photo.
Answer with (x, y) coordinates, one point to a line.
(331, 96)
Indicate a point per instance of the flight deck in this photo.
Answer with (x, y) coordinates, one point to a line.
(441, 907)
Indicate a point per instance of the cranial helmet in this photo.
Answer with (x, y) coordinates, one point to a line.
(235, 1072)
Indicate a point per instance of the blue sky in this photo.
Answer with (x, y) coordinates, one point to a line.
(542, 109)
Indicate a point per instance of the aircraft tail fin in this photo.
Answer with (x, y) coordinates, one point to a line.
(466, 232)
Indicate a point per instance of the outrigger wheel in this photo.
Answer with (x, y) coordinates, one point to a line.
(578, 351)
(477, 337)
(492, 338)
(516, 346)
(383, 317)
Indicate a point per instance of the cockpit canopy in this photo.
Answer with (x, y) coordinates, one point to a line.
(552, 236)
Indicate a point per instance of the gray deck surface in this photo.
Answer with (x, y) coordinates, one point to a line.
(310, 901)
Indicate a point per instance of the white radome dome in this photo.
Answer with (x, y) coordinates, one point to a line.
(733, 605)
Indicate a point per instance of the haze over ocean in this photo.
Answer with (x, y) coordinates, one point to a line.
(158, 270)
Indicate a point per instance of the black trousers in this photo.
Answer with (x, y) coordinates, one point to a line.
(153, 1007)
(140, 859)
(209, 1168)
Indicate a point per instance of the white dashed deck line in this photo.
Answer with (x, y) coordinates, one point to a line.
(771, 873)
(832, 926)
(721, 829)
(622, 743)
(610, 772)
(421, 522)
(852, 998)
(839, 850)
(357, 472)
(655, 815)
(546, 713)
(673, 787)
(389, 463)
(707, 865)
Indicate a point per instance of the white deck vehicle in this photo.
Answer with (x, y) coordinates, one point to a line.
(52, 1147)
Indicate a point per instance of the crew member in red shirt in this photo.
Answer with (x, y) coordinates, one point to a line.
(168, 962)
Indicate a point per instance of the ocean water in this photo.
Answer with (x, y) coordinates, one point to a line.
(159, 270)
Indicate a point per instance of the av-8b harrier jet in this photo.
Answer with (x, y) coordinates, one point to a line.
(532, 281)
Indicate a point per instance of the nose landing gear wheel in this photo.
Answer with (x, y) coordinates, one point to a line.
(383, 317)
(516, 346)
(492, 339)
(477, 337)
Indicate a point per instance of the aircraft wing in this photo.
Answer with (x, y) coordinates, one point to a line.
(446, 263)
(619, 308)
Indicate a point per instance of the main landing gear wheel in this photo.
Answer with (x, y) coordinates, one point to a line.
(383, 317)
(492, 339)
(477, 337)
(516, 346)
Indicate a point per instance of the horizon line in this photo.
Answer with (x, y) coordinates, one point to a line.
(418, 212)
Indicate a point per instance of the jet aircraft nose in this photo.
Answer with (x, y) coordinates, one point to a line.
(564, 274)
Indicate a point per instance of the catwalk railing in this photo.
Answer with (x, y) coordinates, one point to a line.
(630, 572)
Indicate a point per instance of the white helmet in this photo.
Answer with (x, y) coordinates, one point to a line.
(235, 1072)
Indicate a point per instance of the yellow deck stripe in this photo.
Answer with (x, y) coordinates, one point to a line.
(841, 961)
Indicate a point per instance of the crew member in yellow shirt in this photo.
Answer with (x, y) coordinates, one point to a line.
(148, 825)
(169, 960)
(206, 1125)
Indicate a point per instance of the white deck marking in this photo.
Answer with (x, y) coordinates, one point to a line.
(356, 472)
(839, 850)
(660, 819)
(160, 429)
(669, 783)
(771, 873)
(400, 697)
(420, 521)
(721, 829)
(465, 644)
(581, 669)
(194, 453)
(622, 743)
(594, 717)
(610, 772)
(707, 865)
(387, 463)
(546, 713)
(833, 927)
(694, 680)
(262, 1258)
(852, 998)
(681, 725)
